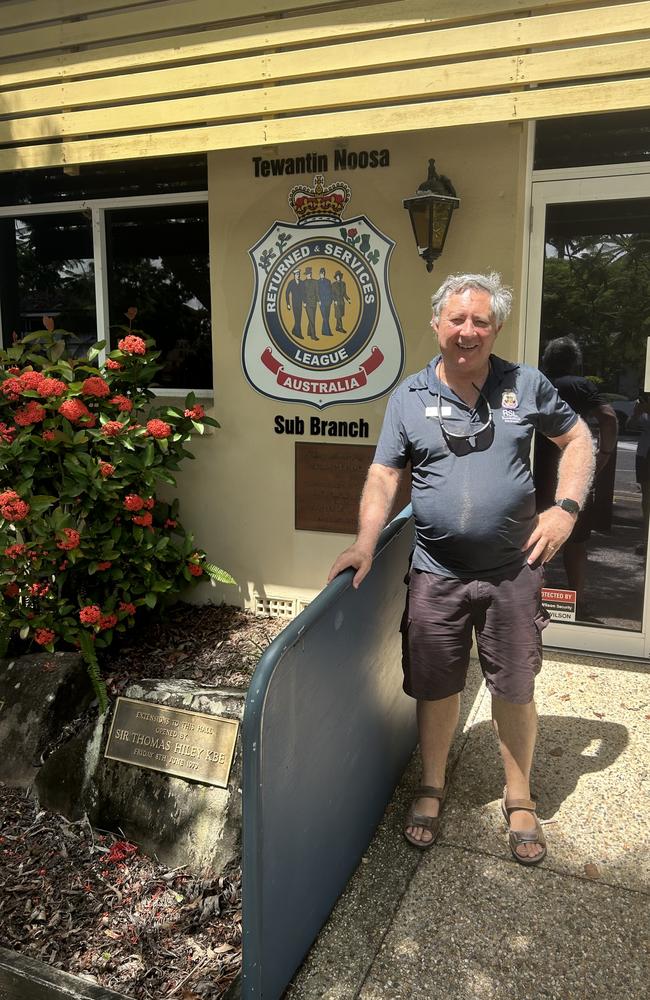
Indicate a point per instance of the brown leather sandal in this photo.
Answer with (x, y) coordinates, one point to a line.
(517, 837)
(430, 823)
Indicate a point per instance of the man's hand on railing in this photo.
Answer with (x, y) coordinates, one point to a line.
(356, 557)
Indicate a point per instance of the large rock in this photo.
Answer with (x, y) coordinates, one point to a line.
(39, 696)
(178, 820)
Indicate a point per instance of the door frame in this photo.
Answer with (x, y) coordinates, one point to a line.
(598, 183)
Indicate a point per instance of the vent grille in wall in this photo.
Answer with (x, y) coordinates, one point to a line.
(275, 607)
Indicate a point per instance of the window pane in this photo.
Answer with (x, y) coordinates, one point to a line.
(622, 137)
(158, 261)
(166, 175)
(46, 269)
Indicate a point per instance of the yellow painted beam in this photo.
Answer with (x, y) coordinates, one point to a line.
(592, 98)
(22, 13)
(175, 17)
(379, 88)
(420, 47)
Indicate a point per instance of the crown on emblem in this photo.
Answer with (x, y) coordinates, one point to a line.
(318, 204)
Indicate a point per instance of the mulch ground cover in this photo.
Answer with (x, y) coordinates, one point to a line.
(88, 901)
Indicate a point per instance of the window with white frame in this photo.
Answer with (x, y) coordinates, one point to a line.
(85, 261)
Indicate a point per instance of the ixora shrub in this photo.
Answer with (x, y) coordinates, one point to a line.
(84, 540)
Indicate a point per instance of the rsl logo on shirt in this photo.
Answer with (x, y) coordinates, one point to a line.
(509, 405)
(322, 327)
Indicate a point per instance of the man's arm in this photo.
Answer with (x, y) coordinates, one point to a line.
(574, 477)
(377, 499)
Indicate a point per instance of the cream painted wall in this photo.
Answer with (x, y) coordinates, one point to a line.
(239, 494)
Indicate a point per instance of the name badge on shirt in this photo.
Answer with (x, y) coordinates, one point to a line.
(432, 411)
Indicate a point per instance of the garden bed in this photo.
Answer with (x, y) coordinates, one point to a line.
(90, 903)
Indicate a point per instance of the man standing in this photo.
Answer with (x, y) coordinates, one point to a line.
(310, 296)
(294, 299)
(465, 424)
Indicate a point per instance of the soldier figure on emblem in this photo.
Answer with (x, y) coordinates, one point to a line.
(310, 298)
(340, 293)
(294, 299)
(325, 298)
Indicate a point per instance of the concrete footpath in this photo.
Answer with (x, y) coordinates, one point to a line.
(463, 920)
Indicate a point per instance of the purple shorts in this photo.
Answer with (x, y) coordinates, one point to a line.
(441, 613)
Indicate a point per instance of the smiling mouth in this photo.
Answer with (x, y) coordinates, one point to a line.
(467, 347)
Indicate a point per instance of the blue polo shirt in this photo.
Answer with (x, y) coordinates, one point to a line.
(472, 490)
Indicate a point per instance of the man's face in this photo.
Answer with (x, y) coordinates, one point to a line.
(466, 332)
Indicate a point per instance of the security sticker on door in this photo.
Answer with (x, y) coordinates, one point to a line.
(560, 604)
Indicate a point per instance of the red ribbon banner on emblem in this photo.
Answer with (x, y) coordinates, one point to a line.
(319, 386)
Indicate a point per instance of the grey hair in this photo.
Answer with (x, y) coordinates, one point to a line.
(500, 294)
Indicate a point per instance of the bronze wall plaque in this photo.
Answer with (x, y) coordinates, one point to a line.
(329, 480)
(187, 744)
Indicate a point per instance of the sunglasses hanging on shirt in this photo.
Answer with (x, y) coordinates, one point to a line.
(477, 439)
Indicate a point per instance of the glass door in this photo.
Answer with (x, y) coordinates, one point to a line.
(588, 327)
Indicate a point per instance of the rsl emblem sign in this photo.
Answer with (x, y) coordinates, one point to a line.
(322, 327)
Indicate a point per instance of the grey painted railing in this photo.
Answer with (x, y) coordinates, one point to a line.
(327, 733)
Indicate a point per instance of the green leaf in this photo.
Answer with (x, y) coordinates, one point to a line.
(150, 600)
(56, 351)
(217, 574)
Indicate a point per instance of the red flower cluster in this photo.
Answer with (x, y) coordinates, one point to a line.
(14, 551)
(103, 565)
(12, 508)
(31, 379)
(95, 386)
(170, 523)
(123, 403)
(127, 607)
(107, 621)
(194, 569)
(12, 590)
(12, 388)
(196, 413)
(36, 381)
(112, 428)
(132, 345)
(32, 413)
(7, 433)
(133, 502)
(149, 504)
(39, 589)
(143, 519)
(71, 540)
(113, 365)
(51, 387)
(48, 435)
(43, 636)
(158, 428)
(90, 615)
(75, 411)
(106, 469)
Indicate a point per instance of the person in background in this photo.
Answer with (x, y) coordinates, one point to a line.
(562, 365)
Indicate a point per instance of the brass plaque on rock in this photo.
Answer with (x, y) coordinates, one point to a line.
(186, 744)
(329, 481)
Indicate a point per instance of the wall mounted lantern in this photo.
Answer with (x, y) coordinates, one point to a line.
(430, 209)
